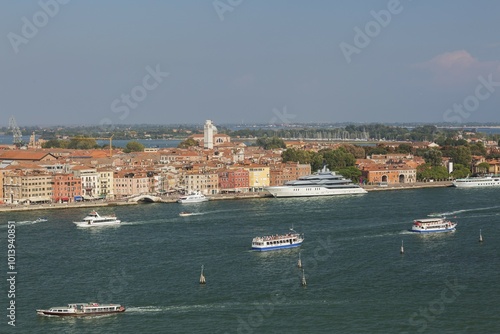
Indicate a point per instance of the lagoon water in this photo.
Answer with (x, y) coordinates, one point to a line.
(357, 280)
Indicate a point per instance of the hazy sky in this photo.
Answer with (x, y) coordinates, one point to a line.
(265, 61)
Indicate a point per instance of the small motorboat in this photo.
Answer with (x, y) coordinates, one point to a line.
(185, 214)
(40, 220)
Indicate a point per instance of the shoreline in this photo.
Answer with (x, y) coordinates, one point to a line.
(218, 197)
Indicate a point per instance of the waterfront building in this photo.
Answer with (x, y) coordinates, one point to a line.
(11, 186)
(91, 186)
(390, 158)
(27, 186)
(279, 174)
(205, 182)
(66, 188)
(390, 174)
(233, 180)
(258, 176)
(494, 166)
(130, 182)
(106, 180)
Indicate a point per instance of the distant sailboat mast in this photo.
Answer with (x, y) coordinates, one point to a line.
(202, 277)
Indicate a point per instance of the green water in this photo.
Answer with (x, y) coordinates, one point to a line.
(357, 280)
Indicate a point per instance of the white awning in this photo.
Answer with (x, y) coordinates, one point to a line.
(39, 199)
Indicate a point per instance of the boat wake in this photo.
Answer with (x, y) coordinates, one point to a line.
(21, 223)
(368, 236)
(175, 309)
(456, 212)
(143, 222)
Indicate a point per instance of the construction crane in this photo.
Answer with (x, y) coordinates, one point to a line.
(18, 136)
(110, 144)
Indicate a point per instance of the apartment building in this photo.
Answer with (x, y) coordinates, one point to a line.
(233, 180)
(279, 174)
(129, 183)
(91, 185)
(258, 176)
(205, 182)
(66, 188)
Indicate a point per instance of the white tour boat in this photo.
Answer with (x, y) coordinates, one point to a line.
(322, 183)
(94, 219)
(82, 310)
(274, 242)
(195, 197)
(478, 181)
(431, 225)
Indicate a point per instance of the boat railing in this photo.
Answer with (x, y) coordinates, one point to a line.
(276, 237)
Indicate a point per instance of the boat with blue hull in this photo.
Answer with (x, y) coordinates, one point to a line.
(278, 241)
(432, 225)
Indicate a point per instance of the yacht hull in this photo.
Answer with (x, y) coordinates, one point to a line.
(291, 191)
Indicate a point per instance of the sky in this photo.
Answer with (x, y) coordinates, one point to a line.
(69, 62)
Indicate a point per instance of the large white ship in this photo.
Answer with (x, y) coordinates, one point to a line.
(322, 183)
(477, 181)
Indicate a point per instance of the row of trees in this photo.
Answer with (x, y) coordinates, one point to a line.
(83, 143)
(340, 160)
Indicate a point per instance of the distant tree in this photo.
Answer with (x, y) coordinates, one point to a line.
(433, 157)
(478, 149)
(55, 143)
(379, 149)
(339, 158)
(351, 173)
(317, 161)
(428, 172)
(404, 148)
(133, 146)
(357, 151)
(461, 155)
(269, 143)
(460, 171)
(188, 143)
(483, 167)
(82, 143)
(440, 173)
(424, 172)
(296, 155)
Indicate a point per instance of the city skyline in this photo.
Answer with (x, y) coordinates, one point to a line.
(236, 61)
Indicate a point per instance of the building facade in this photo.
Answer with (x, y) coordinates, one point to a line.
(66, 188)
(233, 180)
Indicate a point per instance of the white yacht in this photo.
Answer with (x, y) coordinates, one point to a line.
(478, 181)
(195, 197)
(94, 219)
(322, 183)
